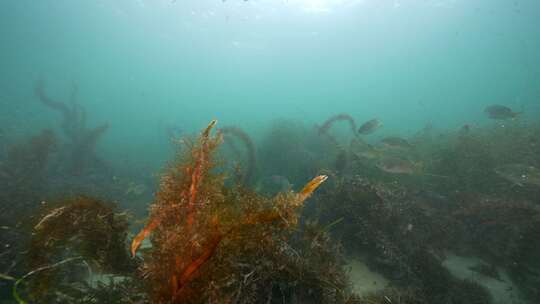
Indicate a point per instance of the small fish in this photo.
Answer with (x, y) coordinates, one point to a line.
(364, 150)
(519, 174)
(370, 126)
(500, 112)
(369, 152)
(397, 165)
(395, 142)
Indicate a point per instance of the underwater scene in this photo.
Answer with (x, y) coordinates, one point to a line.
(270, 151)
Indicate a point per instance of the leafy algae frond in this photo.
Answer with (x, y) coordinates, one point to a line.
(196, 221)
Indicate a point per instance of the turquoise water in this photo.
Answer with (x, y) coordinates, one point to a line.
(140, 64)
(148, 67)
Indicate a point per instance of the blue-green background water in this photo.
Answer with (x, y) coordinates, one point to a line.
(142, 65)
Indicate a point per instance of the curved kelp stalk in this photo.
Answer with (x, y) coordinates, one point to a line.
(194, 215)
(82, 139)
(323, 129)
(251, 166)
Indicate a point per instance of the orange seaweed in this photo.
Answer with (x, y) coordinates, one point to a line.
(143, 234)
(194, 214)
(311, 186)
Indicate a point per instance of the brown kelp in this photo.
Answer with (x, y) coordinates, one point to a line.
(209, 240)
(327, 124)
(80, 226)
(82, 140)
(248, 177)
(199, 229)
(396, 236)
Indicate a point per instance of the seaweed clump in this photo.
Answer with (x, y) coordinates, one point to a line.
(80, 227)
(201, 232)
(463, 292)
(397, 237)
(503, 233)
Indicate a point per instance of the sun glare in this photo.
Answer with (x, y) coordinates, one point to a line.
(316, 6)
(321, 6)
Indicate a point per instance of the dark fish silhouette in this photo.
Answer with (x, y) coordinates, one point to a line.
(397, 165)
(395, 142)
(370, 126)
(500, 112)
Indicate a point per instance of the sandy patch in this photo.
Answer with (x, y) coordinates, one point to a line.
(364, 281)
(503, 291)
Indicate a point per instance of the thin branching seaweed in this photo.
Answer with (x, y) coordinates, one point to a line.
(199, 229)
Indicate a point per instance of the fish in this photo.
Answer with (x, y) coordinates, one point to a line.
(370, 126)
(369, 152)
(396, 165)
(395, 142)
(519, 174)
(500, 112)
(361, 149)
